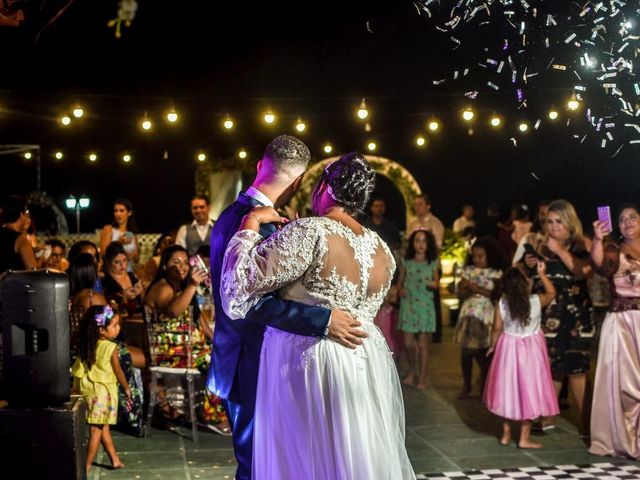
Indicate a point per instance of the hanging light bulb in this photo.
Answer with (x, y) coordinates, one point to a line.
(78, 111)
(172, 115)
(269, 117)
(27, 155)
(202, 157)
(363, 112)
(327, 148)
(573, 104)
(495, 121)
(242, 154)
(146, 124)
(433, 125)
(59, 155)
(300, 126)
(553, 114)
(468, 115)
(228, 123)
(93, 157)
(126, 158)
(523, 127)
(421, 141)
(372, 146)
(65, 120)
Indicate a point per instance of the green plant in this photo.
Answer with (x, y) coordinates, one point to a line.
(454, 248)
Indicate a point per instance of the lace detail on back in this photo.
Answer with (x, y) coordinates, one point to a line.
(317, 261)
(349, 271)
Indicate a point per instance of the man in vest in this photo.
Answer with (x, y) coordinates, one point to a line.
(198, 232)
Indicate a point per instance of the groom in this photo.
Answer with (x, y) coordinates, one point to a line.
(236, 347)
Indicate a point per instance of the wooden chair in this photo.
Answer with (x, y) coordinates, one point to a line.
(180, 332)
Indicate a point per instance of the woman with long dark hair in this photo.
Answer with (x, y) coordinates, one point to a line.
(122, 229)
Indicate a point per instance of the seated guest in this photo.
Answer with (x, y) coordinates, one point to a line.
(170, 295)
(16, 252)
(85, 246)
(120, 285)
(151, 267)
(56, 260)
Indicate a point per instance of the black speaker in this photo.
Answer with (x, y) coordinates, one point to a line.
(44, 443)
(35, 336)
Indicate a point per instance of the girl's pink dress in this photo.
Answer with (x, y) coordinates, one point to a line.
(519, 384)
(386, 320)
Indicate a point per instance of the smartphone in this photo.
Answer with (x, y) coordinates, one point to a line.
(604, 216)
(197, 261)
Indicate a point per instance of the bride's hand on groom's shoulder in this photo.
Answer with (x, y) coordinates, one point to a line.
(345, 330)
(260, 215)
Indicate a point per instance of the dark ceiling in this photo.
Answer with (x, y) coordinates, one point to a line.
(315, 60)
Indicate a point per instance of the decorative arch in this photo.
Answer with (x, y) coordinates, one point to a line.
(400, 176)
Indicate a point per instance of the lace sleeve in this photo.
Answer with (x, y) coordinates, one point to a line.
(253, 267)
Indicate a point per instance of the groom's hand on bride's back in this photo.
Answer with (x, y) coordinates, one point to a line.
(345, 330)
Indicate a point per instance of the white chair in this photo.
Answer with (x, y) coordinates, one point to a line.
(179, 332)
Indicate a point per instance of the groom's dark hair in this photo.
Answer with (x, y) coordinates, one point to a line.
(286, 152)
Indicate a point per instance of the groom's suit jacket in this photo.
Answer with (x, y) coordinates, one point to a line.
(236, 347)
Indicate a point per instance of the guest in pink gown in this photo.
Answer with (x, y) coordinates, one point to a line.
(519, 385)
(615, 415)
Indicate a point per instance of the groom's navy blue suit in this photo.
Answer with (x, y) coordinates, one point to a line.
(235, 355)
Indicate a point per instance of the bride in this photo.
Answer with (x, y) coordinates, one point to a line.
(322, 410)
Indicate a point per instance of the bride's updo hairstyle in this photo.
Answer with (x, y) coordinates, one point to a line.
(351, 181)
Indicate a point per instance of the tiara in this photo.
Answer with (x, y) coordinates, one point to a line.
(101, 318)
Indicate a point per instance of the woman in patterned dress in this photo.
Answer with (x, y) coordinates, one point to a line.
(567, 320)
(417, 283)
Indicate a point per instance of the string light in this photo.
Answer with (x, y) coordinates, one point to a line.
(363, 112)
(65, 120)
(172, 116)
(467, 115)
(93, 157)
(228, 123)
(371, 146)
(434, 125)
(573, 104)
(421, 141)
(146, 123)
(242, 154)
(59, 155)
(126, 158)
(495, 121)
(202, 157)
(523, 127)
(327, 148)
(78, 111)
(27, 155)
(269, 117)
(553, 115)
(300, 126)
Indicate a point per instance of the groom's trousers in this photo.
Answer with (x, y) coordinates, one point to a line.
(241, 420)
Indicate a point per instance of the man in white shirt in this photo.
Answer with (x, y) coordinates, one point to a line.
(198, 232)
(425, 219)
(465, 221)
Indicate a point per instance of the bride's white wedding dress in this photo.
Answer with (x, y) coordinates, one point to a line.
(323, 411)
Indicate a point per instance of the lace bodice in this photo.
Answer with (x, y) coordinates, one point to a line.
(317, 261)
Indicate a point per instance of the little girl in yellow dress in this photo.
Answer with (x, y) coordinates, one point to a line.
(97, 373)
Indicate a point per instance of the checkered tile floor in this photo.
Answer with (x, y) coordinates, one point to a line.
(600, 471)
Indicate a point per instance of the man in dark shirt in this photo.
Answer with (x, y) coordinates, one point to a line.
(387, 230)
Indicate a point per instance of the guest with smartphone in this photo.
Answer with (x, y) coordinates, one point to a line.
(567, 320)
(615, 418)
